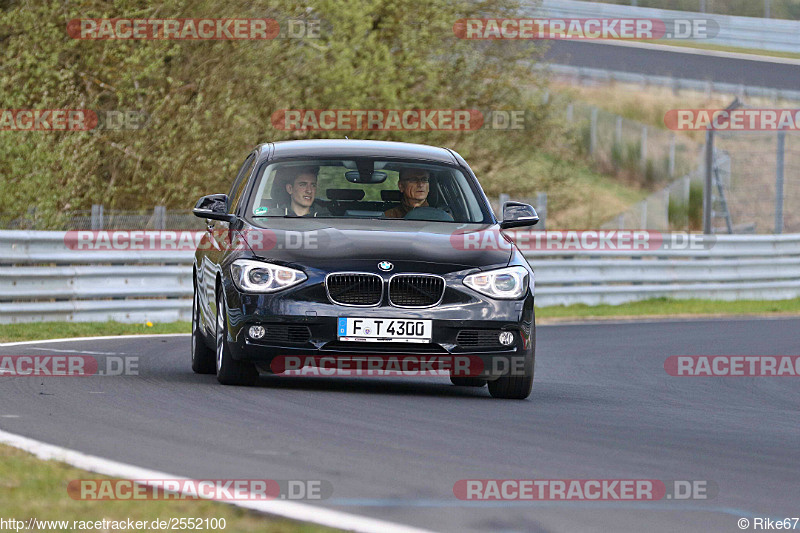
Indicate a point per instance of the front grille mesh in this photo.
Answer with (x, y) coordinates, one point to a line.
(416, 290)
(288, 333)
(474, 338)
(355, 289)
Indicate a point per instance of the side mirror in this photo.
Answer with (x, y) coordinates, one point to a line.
(213, 206)
(517, 214)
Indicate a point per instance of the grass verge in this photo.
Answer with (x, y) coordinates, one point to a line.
(653, 307)
(32, 488)
(665, 307)
(58, 330)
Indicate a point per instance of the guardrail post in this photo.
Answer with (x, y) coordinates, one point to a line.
(569, 112)
(593, 132)
(541, 210)
(779, 182)
(687, 191)
(160, 217)
(644, 147)
(644, 215)
(618, 131)
(32, 216)
(97, 216)
(671, 165)
(708, 191)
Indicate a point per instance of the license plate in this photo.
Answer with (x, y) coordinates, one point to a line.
(384, 330)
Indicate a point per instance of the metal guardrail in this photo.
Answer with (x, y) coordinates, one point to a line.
(727, 267)
(744, 32)
(41, 279)
(709, 87)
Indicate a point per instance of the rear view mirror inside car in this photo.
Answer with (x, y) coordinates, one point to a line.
(366, 176)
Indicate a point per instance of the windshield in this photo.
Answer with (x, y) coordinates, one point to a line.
(366, 188)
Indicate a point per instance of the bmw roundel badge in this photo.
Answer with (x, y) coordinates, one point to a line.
(386, 266)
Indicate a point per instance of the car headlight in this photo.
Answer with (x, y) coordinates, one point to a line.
(508, 283)
(257, 276)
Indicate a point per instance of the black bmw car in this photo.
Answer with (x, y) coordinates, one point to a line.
(348, 248)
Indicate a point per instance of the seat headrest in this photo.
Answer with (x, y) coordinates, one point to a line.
(345, 194)
(278, 189)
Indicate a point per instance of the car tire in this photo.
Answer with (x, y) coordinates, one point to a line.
(511, 387)
(229, 370)
(516, 387)
(467, 382)
(202, 355)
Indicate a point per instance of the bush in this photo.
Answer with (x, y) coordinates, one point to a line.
(209, 102)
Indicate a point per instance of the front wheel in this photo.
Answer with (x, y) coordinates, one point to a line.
(516, 387)
(202, 355)
(229, 370)
(511, 387)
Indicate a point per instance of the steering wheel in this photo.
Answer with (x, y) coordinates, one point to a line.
(429, 213)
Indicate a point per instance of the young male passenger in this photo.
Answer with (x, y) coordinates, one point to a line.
(301, 186)
(414, 184)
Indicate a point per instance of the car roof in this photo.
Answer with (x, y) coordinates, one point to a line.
(335, 148)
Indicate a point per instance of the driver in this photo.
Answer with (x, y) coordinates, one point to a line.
(301, 186)
(414, 184)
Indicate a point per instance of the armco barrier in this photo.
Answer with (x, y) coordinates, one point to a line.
(734, 267)
(42, 279)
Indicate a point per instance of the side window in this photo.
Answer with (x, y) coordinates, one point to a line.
(241, 183)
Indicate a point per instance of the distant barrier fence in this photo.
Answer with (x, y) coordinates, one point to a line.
(708, 87)
(42, 279)
(746, 32)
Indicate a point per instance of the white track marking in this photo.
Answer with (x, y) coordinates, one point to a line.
(87, 352)
(285, 509)
(107, 337)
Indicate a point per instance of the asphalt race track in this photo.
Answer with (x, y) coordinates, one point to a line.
(603, 407)
(758, 73)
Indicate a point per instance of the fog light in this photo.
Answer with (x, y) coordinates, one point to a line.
(256, 332)
(506, 338)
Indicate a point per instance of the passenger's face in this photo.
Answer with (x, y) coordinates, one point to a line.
(415, 186)
(303, 190)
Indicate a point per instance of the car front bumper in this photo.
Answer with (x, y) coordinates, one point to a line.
(314, 327)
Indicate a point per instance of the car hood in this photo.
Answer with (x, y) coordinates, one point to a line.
(348, 243)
